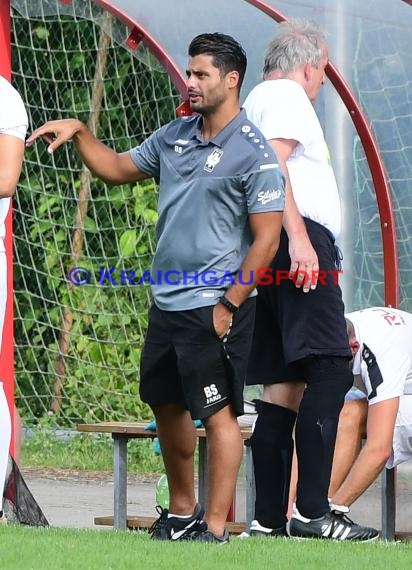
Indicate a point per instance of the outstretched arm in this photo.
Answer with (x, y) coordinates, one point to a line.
(104, 162)
(373, 456)
(303, 256)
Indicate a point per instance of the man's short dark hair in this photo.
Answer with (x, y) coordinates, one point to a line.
(228, 55)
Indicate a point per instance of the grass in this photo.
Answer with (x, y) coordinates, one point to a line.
(86, 451)
(25, 548)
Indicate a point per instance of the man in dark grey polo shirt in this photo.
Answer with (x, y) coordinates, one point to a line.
(220, 207)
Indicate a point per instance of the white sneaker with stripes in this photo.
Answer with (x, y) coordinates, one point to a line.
(333, 525)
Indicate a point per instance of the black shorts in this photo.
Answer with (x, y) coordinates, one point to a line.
(185, 362)
(291, 325)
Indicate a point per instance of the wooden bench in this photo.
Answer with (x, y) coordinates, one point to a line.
(122, 432)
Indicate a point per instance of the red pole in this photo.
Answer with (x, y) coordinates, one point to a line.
(7, 348)
(5, 33)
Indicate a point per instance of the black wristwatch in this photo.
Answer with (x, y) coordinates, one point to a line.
(228, 304)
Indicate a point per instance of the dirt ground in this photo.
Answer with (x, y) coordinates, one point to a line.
(73, 499)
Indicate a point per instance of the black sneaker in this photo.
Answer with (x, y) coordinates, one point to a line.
(332, 525)
(207, 536)
(158, 530)
(175, 528)
(257, 529)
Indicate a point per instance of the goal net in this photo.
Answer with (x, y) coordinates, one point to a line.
(78, 346)
(382, 76)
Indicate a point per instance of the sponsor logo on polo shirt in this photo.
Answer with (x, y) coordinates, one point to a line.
(268, 196)
(179, 144)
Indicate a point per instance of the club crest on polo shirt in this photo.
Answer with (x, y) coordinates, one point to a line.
(213, 159)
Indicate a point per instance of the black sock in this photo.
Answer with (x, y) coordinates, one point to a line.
(328, 380)
(272, 450)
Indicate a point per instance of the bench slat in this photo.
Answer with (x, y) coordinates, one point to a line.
(137, 429)
(146, 523)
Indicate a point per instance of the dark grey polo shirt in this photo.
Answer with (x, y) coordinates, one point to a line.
(207, 189)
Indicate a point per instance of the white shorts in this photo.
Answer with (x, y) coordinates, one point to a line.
(3, 292)
(5, 434)
(402, 436)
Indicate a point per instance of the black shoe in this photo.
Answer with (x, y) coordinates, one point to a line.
(333, 526)
(175, 528)
(207, 536)
(257, 529)
(158, 530)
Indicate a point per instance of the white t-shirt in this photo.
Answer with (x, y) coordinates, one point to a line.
(280, 108)
(14, 122)
(384, 359)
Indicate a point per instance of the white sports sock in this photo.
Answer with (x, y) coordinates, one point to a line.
(344, 509)
(179, 516)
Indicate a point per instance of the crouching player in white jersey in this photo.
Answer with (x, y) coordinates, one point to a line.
(381, 342)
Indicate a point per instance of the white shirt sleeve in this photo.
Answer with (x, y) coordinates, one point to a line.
(18, 131)
(394, 368)
(13, 115)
